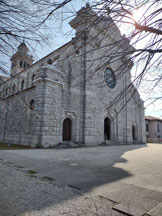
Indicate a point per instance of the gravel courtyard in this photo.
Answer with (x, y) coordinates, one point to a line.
(105, 180)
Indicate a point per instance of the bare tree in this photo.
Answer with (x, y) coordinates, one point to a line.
(25, 20)
(140, 46)
(142, 23)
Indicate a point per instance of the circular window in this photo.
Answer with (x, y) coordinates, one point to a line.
(109, 78)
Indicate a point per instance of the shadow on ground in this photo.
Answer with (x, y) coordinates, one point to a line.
(71, 173)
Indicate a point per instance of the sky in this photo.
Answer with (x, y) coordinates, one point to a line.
(58, 36)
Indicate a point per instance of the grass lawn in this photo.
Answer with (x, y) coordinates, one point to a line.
(4, 146)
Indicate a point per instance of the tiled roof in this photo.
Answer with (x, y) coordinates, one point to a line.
(152, 118)
(4, 77)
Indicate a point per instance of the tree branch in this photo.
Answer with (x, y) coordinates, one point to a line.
(148, 29)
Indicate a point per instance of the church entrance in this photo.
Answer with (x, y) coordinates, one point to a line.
(66, 133)
(107, 129)
(133, 132)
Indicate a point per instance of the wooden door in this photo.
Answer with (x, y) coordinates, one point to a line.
(67, 130)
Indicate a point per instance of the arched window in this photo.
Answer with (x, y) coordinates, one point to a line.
(33, 78)
(49, 61)
(13, 88)
(3, 92)
(6, 91)
(31, 105)
(21, 63)
(77, 52)
(24, 64)
(22, 84)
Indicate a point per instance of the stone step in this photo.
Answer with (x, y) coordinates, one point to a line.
(109, 143)
(68, 145)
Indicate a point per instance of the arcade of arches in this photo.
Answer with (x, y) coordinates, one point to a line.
(67, 130)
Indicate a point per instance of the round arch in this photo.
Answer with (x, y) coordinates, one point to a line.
(67, 129)
(107, 128)
(134, 132)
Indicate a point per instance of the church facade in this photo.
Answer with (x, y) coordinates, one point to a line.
(80, 93)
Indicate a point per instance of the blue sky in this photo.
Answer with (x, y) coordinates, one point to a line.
(58, 36)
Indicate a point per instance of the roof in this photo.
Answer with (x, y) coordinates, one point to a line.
(23, 44)
(152, 118)
(51, 53)
(4, 77)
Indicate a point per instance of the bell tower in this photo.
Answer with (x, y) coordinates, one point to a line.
(21, 59)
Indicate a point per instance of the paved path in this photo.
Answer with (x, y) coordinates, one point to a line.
(85, 181)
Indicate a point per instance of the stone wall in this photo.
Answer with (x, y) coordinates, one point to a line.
(73, 87)
(16, 118)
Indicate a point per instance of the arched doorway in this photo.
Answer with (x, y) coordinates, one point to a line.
(107, 129)
(133, 132)
(66, 133)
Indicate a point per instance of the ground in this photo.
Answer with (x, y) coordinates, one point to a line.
(105, 180)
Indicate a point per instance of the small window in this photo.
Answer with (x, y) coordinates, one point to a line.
(28, 65)
(24, 64)
(77, 52)
(49, 61)
(31, 105)
(6, 91)
(21, 63)
(13, 88)
(3, 92)
(22, 84)
(158, 129)
(13, 64)
(147, 127)
(33, 78)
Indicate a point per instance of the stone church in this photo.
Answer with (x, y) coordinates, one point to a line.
(80, 93)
